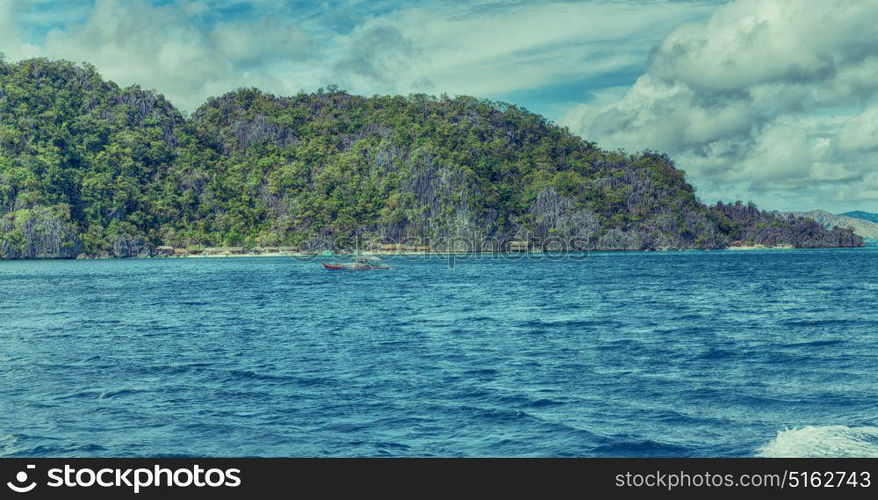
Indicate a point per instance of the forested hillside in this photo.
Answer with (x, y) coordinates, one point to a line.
(89, 168)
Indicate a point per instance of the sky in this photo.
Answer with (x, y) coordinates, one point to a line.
(771, 101)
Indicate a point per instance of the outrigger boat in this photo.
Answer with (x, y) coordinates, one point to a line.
(362, 264)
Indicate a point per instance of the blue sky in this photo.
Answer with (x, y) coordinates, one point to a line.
(563, 52)
(764, 100)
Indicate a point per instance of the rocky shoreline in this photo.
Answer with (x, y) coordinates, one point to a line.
(260, 253)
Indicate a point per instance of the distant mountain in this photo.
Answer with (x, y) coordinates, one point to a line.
(861, 226)
(859, 214)
(91, 169)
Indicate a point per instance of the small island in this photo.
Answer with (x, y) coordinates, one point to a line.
(89, 169)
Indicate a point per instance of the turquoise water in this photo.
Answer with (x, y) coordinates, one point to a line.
(620, 354)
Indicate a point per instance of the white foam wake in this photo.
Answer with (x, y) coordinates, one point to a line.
(8, 444)
(827, 441)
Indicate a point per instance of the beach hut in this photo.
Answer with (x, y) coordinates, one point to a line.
(518, 246)
(392, 247)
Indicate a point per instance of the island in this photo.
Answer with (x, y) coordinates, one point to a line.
(91, 169)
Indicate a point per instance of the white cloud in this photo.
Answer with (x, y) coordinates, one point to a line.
(771, 99)
(489, 51)
(165, 47)
(189, 50)
(860, 132)
(11, 45)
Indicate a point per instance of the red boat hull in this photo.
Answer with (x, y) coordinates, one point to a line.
(354, 267)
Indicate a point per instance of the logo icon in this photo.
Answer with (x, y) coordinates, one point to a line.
(21, 478)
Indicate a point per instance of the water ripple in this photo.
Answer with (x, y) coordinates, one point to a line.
(622, 354)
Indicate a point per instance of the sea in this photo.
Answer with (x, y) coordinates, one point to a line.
(630, 354)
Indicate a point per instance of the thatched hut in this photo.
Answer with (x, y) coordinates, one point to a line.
(518, 246)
